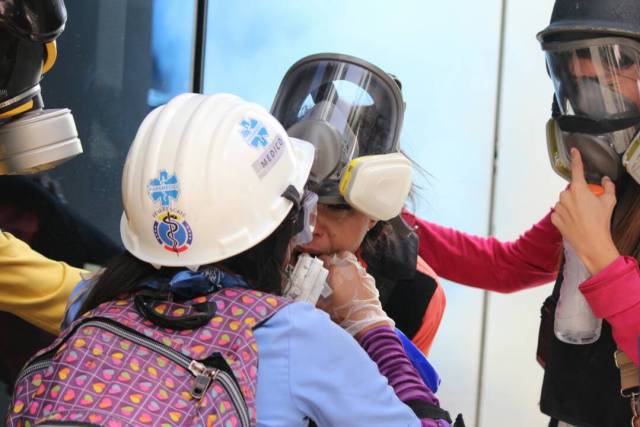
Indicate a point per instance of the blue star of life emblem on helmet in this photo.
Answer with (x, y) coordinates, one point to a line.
(254, 132)
(164, 188)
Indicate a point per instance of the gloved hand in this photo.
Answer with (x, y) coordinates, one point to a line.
(354, 303)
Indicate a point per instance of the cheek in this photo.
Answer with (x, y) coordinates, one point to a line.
(629, 89)
(333, 236)
(349, 236)
(359, 235)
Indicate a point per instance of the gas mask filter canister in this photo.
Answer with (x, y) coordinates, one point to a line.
(377, 185)
(37, 141)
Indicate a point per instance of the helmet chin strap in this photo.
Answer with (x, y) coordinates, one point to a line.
(294, 196)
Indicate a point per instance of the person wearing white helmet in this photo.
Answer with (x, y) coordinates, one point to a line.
(213, 199)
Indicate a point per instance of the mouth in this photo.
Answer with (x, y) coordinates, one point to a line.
(306, 249)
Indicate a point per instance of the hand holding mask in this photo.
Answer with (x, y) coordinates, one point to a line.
(584, 219)
(354, 303)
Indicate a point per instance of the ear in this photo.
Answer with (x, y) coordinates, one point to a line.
(372, 223)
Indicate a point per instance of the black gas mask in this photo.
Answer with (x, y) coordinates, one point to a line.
(31, 139)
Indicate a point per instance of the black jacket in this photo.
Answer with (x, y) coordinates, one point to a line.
(391, 254)
(581, 382)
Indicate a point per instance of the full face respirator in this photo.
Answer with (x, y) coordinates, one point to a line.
(351, 111)
(31, 139)
(596, 108)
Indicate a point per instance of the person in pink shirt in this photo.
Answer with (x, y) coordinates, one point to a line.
(593, 57)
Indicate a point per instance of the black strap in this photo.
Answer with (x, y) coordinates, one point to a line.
(292, 194)
(459, 422)
(146, 302)
(555, 108)
(581, 124)
(424, 409)
(297, 213)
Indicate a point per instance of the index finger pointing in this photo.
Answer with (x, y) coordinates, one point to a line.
(577, 168)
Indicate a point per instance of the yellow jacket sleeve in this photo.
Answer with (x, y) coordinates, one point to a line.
(32, 286)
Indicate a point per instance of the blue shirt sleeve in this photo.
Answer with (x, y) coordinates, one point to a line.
(310, 368)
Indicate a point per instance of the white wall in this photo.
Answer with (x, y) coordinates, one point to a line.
(525, 191)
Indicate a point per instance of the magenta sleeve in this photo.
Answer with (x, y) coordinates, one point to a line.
(488, 263)
(614, 295)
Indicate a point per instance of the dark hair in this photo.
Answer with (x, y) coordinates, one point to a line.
(625, 225)
(375, 239)
(261, 266)
(416, 189)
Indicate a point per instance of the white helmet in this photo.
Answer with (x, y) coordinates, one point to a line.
(204, 180)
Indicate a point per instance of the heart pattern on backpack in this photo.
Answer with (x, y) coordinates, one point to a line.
(100, 377)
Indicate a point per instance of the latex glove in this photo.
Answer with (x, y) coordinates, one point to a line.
(354, 303)
(584, 219)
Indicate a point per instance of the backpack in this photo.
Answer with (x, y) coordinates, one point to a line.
(147, 361)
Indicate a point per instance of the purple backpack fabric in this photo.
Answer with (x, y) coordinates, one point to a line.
(115, 367)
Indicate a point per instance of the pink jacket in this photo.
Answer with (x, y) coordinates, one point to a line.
(532, 260)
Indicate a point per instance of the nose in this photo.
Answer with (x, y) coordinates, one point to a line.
(319, 229)
(583, 67)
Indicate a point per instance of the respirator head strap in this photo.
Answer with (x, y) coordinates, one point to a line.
(580, 124)
(292, 194)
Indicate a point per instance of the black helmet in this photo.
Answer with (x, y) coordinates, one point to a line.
(35, 20)
(589, 17)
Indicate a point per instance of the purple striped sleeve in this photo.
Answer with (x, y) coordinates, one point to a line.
(385, 349)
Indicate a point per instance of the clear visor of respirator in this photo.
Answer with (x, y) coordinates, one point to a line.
(597, 90)
(596, 78)
(308, 216)
(345, 107)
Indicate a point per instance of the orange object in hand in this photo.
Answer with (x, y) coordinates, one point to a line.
(596, 189)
